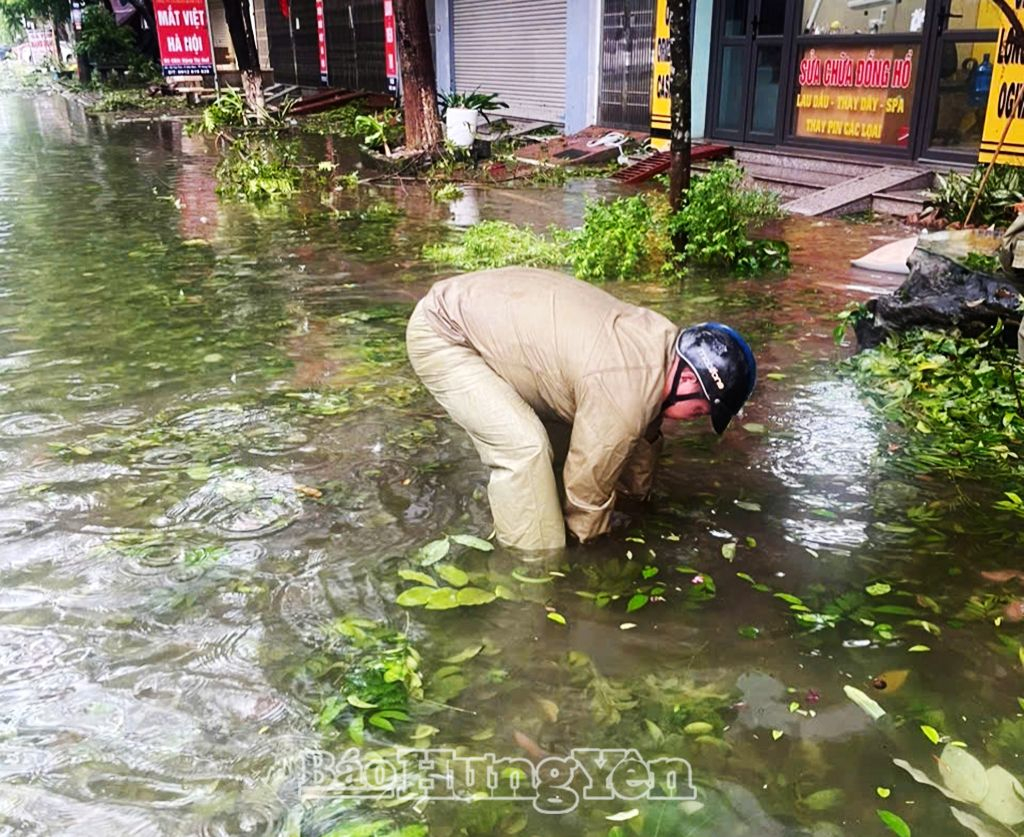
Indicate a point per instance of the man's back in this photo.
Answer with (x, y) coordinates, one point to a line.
(550, 335)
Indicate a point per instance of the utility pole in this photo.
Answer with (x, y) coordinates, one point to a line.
(679, 50)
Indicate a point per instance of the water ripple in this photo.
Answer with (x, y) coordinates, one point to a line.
(241, 502)
(31, 424)
(91, 392)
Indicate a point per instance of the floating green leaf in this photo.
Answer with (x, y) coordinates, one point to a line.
(474, 596)
(465, 654)
(453, 575)
(444, 598)
(473, 542)
(729, 550)
(636, 601)
(556, 617)
(416, 596)
(823, 800)
(869, 705)
(413, 575)
(930, 733)
(434, 552)
(879, 588)
(895, 823)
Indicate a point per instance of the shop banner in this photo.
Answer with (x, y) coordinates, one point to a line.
(183, 32)
(661, 81)
(40, 44)
(321, 39)
(1006, 84)
(390, 50)
(856, 94)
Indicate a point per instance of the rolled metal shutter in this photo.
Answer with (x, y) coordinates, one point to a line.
(515, 49)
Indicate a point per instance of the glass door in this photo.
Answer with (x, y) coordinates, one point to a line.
(963, 36)
(747, 94)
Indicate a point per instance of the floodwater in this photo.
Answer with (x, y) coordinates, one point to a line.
(213, 458)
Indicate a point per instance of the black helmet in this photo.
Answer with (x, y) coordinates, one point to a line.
(724, 365)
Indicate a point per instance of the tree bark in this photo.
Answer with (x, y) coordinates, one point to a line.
(243, 40)
(419, 87)
(679, 49)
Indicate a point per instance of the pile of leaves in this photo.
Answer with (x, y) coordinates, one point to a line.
(259, 169)
(496, 244)
(959, 397)
(370, 673)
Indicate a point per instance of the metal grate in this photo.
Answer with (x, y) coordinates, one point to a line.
(627, 59)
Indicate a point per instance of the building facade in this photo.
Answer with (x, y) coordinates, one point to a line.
(896, 79)
(900, 79)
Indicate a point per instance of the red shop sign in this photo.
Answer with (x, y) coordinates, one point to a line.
(390, 52)
(321, 37)
(183, 31)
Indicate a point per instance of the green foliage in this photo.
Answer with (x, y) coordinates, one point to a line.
(476, 100)
(447, 192)
(716, 218)
(226, 111)
(103, 41)
(952, 195)
(622, 239)
(982, 263)
(852, 314)
(373, 132)
(496, 244)
(340, 121)
(958, 396)
(630, 238)
(356, 122)
(16, 12)
(371, 673)
(113, 101)
(258, 169)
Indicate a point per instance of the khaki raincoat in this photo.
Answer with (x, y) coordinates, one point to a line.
(501, 349)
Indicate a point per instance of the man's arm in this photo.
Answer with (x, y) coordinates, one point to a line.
(603, 438)
(637, 477)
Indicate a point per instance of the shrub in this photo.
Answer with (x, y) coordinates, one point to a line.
(623, 239)
(952, 195)
(496, 244)
(716, 219)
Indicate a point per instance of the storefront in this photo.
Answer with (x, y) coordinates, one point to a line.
(894, 78)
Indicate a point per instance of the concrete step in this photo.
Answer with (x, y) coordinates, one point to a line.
(801, 161)
(900, 203)
(787, 174)
(850, 195)
(781, 183)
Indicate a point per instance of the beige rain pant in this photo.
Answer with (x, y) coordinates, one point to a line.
(508, 435)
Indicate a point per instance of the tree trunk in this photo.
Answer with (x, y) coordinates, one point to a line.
(419, 88)
(243, 40)
(679, 49)
(58, 59)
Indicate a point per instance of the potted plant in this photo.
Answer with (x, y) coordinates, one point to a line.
(462, 112)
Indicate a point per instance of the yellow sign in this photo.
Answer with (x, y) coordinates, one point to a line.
(661, 81)
(1005, 96)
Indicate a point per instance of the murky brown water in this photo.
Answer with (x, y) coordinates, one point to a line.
(212, 450)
